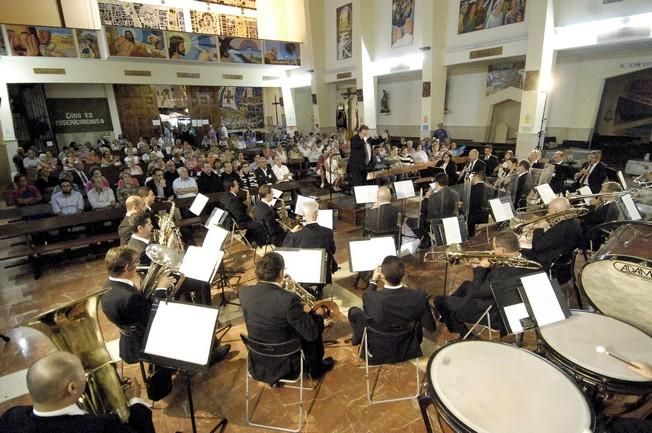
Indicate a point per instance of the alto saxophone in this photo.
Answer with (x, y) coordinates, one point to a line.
(168, 233)
(308, 299)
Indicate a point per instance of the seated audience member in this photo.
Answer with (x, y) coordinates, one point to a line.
(604, 209)
(312, 235)
(208, 181)
(24, 194)
(382, 217)
(473, 165)
(228, 174)
(490, 160)
(248, 177)
(478, 212)
(67, 201)
(171, 173)
(55, 384)
(275, 315)
(550, 243)
(472, 298)
(127, 185)
(419, 154)
(593, 173)
(133, 204)
(438, 203)
(231, 203)
(405, 157)
(30, 162)
(184, 186)
(534, 158)
(141, 233)
(450, 168)
(101, 197)
(79, 176)
(161, 188)
(265, 214)
(394, 308)
(506, 174)
(46, 183)
(281, 171)
(331, 169)
(264, 174)
(96, 172)
(522, 184)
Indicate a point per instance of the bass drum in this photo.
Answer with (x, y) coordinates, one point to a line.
(618, 278)
(482, 386)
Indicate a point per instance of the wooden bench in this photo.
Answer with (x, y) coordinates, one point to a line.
(19, 212)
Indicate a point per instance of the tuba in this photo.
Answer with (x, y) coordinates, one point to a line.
(455, 255)
(165, 261)
(74, 328)
(307, 298)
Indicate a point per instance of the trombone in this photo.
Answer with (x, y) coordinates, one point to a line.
(455, 255)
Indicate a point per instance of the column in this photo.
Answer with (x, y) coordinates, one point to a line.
(541, 58)
(434, 71)
(315, 37)
(8, 143)
(362, 54)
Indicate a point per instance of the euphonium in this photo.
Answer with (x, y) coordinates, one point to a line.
(74, 328)
(307, 298)
(165, 261)
(456, 255)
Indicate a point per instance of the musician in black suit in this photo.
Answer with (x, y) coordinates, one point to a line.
(360, 156)
(141, 232)
(237, 210)
(604, 209)
(450, 168)
(523, 184)
(264, 174)
(472, 298)
(393, 308)
(560, 173)
(478, 212)
(382, 217)
(55, 383)
(557, 241)
(159, 185)
(473, 165)
(593, 172)
(442, 202)
(209, 181)
(133, 204)
(490, 160)
(312, 235)
(534, 158)
(265, 214)
(275, 315)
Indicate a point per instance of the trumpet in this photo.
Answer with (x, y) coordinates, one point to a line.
(455, 255)
(308, 299)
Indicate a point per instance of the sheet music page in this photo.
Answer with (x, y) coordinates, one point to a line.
(404, 189)
(301, 199)
(182, 332)
(365, 193)
(214, 219)
(502, 211)
(276, 193)
(452, 230)
(409, 247)
(543, 301)
(545, 192)
(586, 190)
(304, 266)
(198, 203)
(367, 255)
(215, 238)
(630, 206)
(200, 263)
(621, 179)
(325, 218)
(514, 314)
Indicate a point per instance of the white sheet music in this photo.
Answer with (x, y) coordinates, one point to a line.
(201, 263)
(452, 230)
(630, 206)
(365, 193)
(182, 332)
(514, 314)
(367, 255)
(545, 192)
(215, 217)
(325, 218)
(215, 238)
(301, 199)
(502, 210)
(276, 193)
(404, 189)
(543, 301)
(304, 265)
(198, 204)
(621, 179)
(586, 190)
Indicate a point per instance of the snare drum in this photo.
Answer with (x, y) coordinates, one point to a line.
(571, 344)
(618, 279)
(481, 386)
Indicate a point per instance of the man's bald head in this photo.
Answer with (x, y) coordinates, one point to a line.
(135, 203)
(559, 204)
(56, 379)
(384, 195)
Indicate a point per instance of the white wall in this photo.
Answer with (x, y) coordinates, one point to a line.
(383, 31)
(404, 103)
(580, 11)
(303, 107)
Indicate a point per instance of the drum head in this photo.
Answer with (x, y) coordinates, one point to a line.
(577, 337)
(498, 388)
(620, 288)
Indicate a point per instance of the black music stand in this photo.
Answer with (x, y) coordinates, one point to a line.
(168, 345)
(440, 238)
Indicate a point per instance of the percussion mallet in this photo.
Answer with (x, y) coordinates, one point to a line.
(602, 349)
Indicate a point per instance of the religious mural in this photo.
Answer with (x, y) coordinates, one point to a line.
(190, 46)
(240, 50)
(41, 41)
(402, 23)
(87, 41)
(344, 32)
(242, 107)
(504, 75)
(282, 53)
(205, 22)
(485, 14)
(124, 14)
(134, 42)
(213, 23)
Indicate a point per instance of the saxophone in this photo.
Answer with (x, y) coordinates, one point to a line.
(74, 328)
(308, 299)
(283, 215)
(168, 234)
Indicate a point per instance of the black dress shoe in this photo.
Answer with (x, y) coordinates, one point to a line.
(220, 353)
(326, 366)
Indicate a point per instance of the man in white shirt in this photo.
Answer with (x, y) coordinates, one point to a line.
(30, 161)
(184, 185)
(67, 201)
(224, 133)
(100, 197)
(281, 171)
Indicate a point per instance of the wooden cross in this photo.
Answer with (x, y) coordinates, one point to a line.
(349, 93)
(276, 103)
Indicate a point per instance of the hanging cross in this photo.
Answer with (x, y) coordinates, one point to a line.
(276, 103)
(349, 93)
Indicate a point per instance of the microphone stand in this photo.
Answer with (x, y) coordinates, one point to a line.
(542, 132)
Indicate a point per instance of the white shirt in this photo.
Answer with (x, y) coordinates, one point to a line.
(281, 172)
(100, 200)
(140, 238)
(67, 204)
(73, 409)
(585, 181)
(184, 184)
(30, 162)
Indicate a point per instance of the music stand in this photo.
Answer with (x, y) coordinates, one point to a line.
(180, 336)
(444, 233)
(368, 254)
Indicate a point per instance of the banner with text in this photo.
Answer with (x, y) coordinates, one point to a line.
(80, 115)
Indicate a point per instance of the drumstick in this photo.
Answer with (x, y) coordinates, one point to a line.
(602, 349)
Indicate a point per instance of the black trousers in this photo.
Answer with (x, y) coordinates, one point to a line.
(358, 175)
(460, 308)
(358, 320)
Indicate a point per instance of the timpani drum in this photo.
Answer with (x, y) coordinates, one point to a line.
(571, 344)
(618, 279)
(482, 386)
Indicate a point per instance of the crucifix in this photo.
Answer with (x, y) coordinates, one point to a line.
(276, 103)
(349, 93)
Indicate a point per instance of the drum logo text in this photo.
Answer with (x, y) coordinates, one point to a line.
(629, 268)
